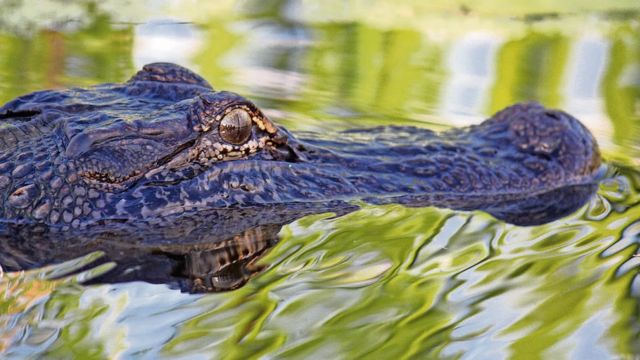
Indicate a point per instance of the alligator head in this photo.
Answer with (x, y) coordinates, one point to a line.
(165, 143)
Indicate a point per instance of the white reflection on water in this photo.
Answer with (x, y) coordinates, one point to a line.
(471, 67)
(269, 60)
(588, 59)
(139, 317)
(166, 41)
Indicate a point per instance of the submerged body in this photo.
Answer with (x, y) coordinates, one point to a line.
(165, 143)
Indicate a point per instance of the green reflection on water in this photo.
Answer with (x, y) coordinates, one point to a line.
(389, 282)
(530, 68)
(50, 59)
(621, 87)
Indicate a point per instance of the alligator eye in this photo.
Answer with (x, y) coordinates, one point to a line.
(235, 127)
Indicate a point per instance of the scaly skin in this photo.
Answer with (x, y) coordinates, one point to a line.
(165, 143)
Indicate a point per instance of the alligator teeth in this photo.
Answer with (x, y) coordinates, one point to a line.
(202, 127)
(108, 178)
(207, 151)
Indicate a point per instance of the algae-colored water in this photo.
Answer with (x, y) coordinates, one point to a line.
(383, 282)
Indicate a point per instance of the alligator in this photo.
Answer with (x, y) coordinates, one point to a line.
(178, 183)
(166, 143)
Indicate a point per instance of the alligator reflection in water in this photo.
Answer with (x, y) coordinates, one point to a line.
(218, 250)
(204, 252)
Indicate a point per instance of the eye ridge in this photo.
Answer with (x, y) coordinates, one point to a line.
(235, 127)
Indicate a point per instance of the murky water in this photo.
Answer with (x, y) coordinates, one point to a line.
(383, 281)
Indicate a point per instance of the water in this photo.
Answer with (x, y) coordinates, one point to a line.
(383, 281)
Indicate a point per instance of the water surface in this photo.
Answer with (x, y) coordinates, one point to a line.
(383, 281)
